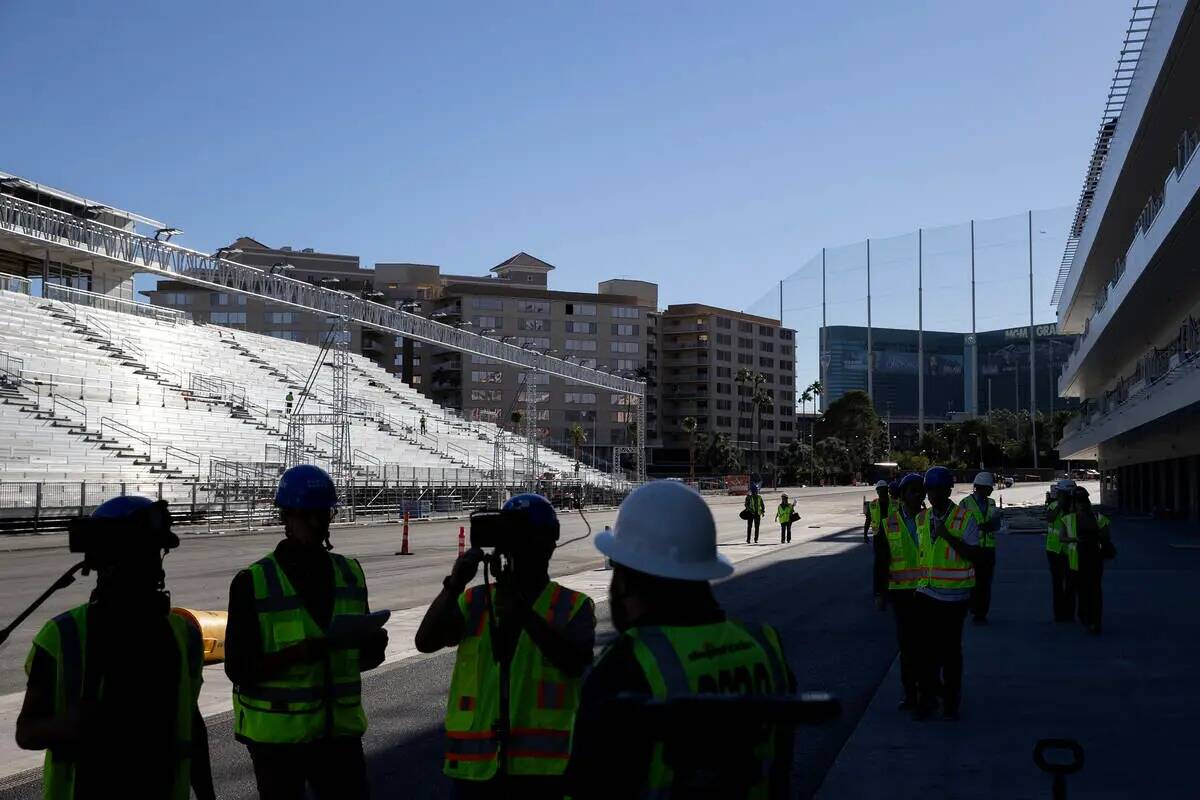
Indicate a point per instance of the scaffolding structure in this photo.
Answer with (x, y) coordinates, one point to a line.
(531, 429)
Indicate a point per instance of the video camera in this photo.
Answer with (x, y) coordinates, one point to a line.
(506, 531)
(104, 540)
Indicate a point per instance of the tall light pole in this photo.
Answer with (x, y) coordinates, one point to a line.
(1032, 361)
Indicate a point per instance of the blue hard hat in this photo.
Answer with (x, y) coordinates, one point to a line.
(306, 487)
(939, 478)
(145, 516)
(539, 514)
(123, 506)
(909, 479)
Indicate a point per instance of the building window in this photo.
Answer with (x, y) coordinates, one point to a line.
(537, 378)
(487, 376)
(281, 317)
(581, 327)
(580, 310)
(581, 344)
(722, 355)
(785, 333)
(724, 338)
(533, 306)
(623, 417)
(484, 414)
(624, 347)
(625, 312)
(533, 324)
(724, 372)
(766, 347)
(745, 343)
(786, 426)
(494, 395)
(484, 323)
(539, 396)
(785, 411)
(589, 363)
(745, 358)
(786, 366)
(763, 361)
(745, 327)
(724, 405)
(624, 330)
(724, 322)
(177, 299)
(622, 400)
(229, 317)
(483, 360)
(293, 336)
(724, 422)
(542, 342)
(586, 398)
(724, 388)
(627, 364)
(766, 330)
(487, 304)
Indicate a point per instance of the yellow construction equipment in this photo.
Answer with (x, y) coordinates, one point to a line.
(211, 625)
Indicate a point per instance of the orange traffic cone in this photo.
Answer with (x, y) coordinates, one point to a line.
(462, 540)
(404, 551)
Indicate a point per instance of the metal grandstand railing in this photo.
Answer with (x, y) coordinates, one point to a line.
(1127, 63)
(79, 297)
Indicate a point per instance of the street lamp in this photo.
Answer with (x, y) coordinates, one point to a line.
(165, 234)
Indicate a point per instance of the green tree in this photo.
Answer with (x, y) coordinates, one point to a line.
(723, 456)
(795, 458)
(833, 457)
(805, 398)
(578, 437)
(763, 402)
(852, 420)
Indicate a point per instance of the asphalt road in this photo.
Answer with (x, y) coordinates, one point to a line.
(816, 591)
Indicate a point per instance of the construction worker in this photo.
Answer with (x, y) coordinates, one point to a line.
(1085, 534)
(546, 631)
(784, 515)
(754, 511)
(949, 548)
(675, 641)
(982, 508)
(876, 510)
(297, 692)
(1062, 591)
(115, 721)
(422, 424)
(897, 573)
(288, 399)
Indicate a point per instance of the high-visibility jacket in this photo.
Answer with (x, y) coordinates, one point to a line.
(312, 700)
(719, 658)
(981, 515)
(904, 567)
(875, 513)
(64, 639)
(542, 699)
(783, 514)
(755, 503)
(1067, 524)
(943, 567)
(1053, 542)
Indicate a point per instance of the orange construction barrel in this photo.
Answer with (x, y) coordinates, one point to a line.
(211, 625)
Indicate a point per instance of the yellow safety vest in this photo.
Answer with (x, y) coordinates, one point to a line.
(1053, 542)
(875, 514)
(904, 567)
(64, 639)
(943, 567)
(986, 538)
(1068, 522)
(313, 700)
(542, 700)
(719, 658)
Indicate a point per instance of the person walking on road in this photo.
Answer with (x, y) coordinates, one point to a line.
(675, 642)
(288, 399)
(897, 573)
(949, 548)
(116, 723)
(876, 511)
(1062, 588)
(297, 691)
(784, 515)
(1085, 534)
(422, 424)
(982, 508)
(544, 631)
(753, 513)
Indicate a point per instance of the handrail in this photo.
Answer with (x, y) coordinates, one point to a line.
(127, 344)
(126, 430)
(118, 304)
(362, 455)
(15, 283)
(92, 322)
(7, 364)
(72, 405)
(187, 456)
(170, 373)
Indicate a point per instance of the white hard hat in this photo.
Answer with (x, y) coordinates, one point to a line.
(665, 528)
(985, 479)
(881, 484)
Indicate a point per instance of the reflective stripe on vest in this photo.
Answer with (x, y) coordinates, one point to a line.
(943, 567)
(542, 703)
(986, 538)
(64, 639)
(720, 658)
(313, 700)
(904, 566)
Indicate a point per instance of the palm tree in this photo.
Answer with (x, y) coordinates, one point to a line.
(805, 398)
(689, 427)
(744, 376)
(516, 417)
(762, 401)
(578, 437)
(817, 389)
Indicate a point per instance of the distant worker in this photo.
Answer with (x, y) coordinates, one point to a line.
(784, 515)
(422, 423)
(982, 508)
(1062, 590)
(876, 511)
(949, 546)
(753, 512)
(897, 573)
(297, 691)
(116, 722)
(546, 631)
(1086, 535)
(674, 642)
(288, 399)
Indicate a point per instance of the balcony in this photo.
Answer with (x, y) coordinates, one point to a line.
(670, 347)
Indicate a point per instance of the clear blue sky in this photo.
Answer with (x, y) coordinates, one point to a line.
(711, 147)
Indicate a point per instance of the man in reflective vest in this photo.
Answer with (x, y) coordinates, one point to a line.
(949, 548)
(1062, 589)
(116, 722)
(1085, 536)
(876, 511)
(756, 508)
(297, 702)
(982, 508)
(675, 642)
(897, 573)
(547, 633)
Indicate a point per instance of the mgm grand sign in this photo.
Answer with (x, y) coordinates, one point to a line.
(1038, 331)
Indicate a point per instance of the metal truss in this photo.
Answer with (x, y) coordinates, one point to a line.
(531, 429)
(341, 458)
(34, 223)
(617, 452)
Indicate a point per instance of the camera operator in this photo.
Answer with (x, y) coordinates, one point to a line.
(544, 632)
(113, 683)
(297, 695)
